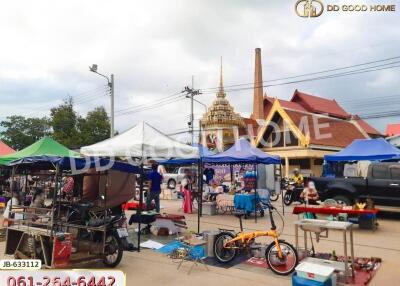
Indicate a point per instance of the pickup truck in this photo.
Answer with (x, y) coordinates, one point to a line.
(382, 185)
(174, 178)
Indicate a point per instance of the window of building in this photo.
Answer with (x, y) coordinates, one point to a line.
(318, 161)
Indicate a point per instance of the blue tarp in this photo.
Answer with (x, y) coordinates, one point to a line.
(203, 151)
(366, 149)
(74, 164)
(242, 152)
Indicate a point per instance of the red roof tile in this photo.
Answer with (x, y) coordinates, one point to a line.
(268, 101)
(321, 105)
(367, 128)
(393, 129)
(339, 133)
(5, 149)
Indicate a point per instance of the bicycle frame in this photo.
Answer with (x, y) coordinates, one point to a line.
(246, 238)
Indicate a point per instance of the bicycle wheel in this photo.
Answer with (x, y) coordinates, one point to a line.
(221, 253)
(284, 265)
(274, 195)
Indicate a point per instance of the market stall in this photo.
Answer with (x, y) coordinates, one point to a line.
(138, 144)
(80, 224)
(46, 146)
(243, 153)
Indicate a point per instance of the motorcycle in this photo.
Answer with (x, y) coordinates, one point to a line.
(116, 238)
(292, 193)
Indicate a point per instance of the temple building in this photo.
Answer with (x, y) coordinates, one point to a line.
(221, 125)
(303, 129)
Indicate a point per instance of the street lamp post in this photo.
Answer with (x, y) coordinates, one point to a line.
(110, 83)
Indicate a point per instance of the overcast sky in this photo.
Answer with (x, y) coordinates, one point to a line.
(154, 48)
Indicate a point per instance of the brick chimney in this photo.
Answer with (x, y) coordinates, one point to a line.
(258, 105)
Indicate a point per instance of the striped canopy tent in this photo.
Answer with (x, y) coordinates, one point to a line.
(5, 149)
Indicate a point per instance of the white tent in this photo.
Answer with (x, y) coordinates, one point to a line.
(141, 141)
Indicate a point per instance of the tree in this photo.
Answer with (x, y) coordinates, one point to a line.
(64, 121)
(95, 127)
(20, 132)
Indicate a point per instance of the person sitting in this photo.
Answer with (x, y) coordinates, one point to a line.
(310, 194)
(297, 178)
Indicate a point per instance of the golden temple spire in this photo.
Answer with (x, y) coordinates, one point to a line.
(221, 92)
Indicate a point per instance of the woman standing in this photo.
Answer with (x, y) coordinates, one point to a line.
(187, 193)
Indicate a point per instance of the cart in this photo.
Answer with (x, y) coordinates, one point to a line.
(73, 230)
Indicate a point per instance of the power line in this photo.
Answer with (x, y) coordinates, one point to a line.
(307, 74)
(318, 78)
(150, 107)
(151, 102)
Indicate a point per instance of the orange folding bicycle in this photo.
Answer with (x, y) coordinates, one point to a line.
(281, 257)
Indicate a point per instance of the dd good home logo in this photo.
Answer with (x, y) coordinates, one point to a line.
(309, 8)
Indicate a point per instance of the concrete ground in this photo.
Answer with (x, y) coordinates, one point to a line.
(151, 268)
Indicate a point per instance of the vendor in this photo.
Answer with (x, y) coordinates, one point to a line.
(310, 194)
(68, 187)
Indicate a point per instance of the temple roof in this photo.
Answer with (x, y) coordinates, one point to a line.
(221, 113)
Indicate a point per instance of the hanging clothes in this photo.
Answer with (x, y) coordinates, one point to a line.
(350, 170)
(362, 167)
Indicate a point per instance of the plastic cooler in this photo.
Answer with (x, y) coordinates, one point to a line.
(299, 281)
(315, 272)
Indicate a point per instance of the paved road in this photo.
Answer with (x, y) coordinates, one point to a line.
(151, 268)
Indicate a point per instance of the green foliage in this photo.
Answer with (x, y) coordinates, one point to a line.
(20, 132)
(95, 127)
(64, 121)
(65, 125)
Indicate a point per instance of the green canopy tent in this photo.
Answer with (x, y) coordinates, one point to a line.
(45, 146)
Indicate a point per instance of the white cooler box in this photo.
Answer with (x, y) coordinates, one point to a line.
(314, 271)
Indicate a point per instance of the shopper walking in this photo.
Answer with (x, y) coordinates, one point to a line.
(155, 180)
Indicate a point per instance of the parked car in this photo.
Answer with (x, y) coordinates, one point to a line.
(175, 177)
(382, 185)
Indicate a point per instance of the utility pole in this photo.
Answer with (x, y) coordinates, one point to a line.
(191, 112)
(191, 92)
(110, 83)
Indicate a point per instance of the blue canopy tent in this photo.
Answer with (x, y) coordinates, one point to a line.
(366, 149)
(242, 152)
